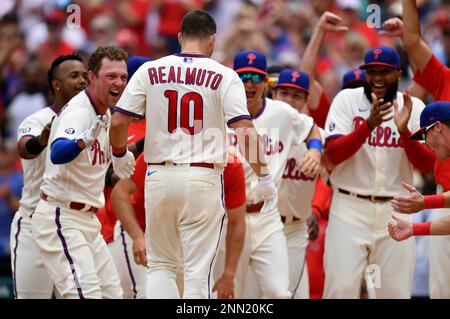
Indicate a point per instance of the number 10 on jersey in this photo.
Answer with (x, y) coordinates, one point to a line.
(188, 103)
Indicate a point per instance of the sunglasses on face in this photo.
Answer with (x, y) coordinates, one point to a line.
(254, 77)
(424, 132)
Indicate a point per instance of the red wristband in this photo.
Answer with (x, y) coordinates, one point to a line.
(421, 229)
(118, 151)
(434, 201)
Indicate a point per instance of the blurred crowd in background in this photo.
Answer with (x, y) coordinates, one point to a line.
(34, 32)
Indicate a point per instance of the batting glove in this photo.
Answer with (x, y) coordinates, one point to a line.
(88, 137)
(265, 189)
(124, 165)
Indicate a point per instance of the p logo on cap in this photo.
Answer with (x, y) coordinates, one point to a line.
(295, 79)
(250, 61)
(382, 56)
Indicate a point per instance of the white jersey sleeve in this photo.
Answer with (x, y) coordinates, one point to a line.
(31, 126)
(234, 101)
(302, 126)
(133, 99)
(339, 115)
(71, 124)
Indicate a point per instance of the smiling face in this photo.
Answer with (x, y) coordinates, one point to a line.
(381, 80)
(437, 138)
(254, 85)
(70, 79)
(110, 81)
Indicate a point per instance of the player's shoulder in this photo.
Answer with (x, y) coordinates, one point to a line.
(79, 104)
(356, 94)
(43, 115)
(280, 107)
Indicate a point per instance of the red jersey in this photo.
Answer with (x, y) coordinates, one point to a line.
(435, 78)
(320, 114)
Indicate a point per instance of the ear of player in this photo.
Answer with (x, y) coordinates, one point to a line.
(89, 136)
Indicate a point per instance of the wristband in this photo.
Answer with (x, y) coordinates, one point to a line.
(434, 201)
(33, 146)
(119, 151)
(140, 145)
(421, 229)
(315, 143)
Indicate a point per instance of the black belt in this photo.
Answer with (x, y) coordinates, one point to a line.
(372, 198)
(207, 165)
(294, 219)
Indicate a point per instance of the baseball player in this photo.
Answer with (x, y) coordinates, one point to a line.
(66, 77)
(435, 131)
(64, 225)
(281, 127)
(368, 143)
(187, 99)
(293, 88)
(132, 276)
(434, 76)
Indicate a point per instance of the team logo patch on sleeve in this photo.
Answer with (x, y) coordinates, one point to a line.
(25, 130)
(70, 130)
(331, 126)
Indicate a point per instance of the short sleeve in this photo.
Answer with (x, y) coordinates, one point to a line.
(303, 124)
(31, 126)
(434, 78)
(139, 172)
(339, 121)
(133, 99)
(235, 101)
(234, 185)
(70, 124)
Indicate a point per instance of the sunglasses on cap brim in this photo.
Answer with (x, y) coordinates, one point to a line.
(254, 77)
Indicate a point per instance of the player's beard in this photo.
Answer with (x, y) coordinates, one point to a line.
(389, 96)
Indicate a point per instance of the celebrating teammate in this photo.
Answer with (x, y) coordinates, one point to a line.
(66, 77)
(64, 225)
(187, 99)
(281, 127)
(368, 143)
(434, 76)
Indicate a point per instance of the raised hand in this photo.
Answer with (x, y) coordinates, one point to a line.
(392, 28)
(400, 229)
(330, 22)
(401, 117)
(43, 137)
(379, 112)
(412, 203)
(88, 137)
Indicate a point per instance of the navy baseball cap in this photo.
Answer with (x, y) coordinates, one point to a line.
(434, 112)
(382, 55)
(294, 79)
(134, 62)
(353, 77)
(250, 61)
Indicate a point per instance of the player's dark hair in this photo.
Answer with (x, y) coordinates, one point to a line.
(111, 52)
(55, 66)
(198, 24)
